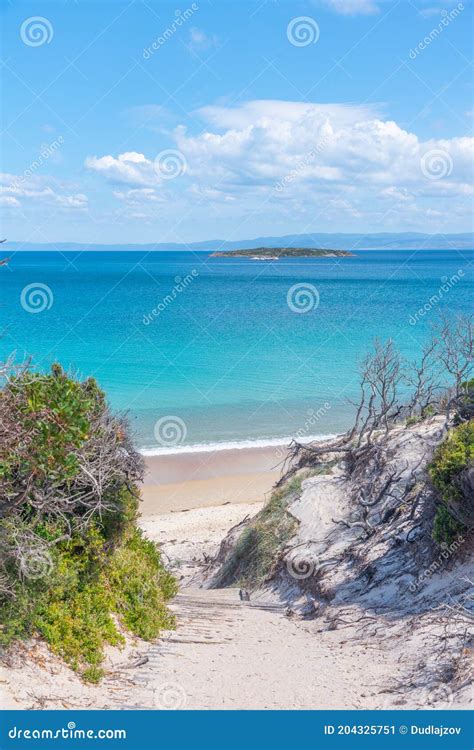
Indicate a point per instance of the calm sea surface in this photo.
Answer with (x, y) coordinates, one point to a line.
(219, 349)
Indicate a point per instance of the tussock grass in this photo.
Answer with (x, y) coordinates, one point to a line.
(252, 559)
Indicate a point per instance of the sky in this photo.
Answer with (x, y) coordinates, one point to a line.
(145, 121)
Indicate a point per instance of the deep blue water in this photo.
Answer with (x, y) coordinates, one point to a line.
(224, 352)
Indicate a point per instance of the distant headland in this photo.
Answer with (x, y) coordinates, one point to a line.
(275, 253)
(346, 241)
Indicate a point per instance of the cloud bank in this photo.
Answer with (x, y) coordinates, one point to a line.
(334, 159)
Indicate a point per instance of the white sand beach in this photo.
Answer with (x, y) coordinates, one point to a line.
(181, 481)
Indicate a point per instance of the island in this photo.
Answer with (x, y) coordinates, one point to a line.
(275, 253)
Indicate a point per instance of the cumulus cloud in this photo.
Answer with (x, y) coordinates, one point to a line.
(264, 142)
(130, 168)
(345, 157)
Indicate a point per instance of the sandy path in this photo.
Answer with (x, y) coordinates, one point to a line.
(226, 653)
(229, 654)
(232, 655)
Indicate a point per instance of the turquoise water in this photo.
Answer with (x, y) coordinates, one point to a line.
(213, 342)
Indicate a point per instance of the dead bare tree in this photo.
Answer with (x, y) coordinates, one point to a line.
(384, 381)
(382, 374)
(391, 388)
(454, 339)
(424, 378)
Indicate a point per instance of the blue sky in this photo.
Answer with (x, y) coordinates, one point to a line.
(147, 121)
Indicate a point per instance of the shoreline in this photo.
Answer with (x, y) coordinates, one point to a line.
(244, 443)
(176, 482)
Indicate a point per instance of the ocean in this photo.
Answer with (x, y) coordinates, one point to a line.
(215, 352)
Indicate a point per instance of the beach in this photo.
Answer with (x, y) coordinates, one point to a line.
(199, 479)
(226, 653)
(191, 500)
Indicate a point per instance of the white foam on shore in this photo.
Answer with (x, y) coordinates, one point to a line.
(232, 445)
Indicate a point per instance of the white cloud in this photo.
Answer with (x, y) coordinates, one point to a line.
(18, 191)
(265, 111)
(79, 200)
(397, 194)
(304, 157)
(9, 201)
(138, 196)
(429, 12)
(263, 142)
(130, 168)
(433, 10)
(199, 41)
(353, 7)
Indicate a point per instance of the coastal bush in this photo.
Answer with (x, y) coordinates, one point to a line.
(74, 568)
(451, 471)
(465, 402)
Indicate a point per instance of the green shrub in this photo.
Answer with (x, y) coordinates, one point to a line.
(74, 568)
(450, 461)
(445, 527)
(140, 586)
(464, 406)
